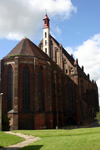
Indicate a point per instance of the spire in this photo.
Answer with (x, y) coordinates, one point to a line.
(46, 21)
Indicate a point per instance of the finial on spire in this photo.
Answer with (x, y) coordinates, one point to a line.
(25, 37)
(46, 11)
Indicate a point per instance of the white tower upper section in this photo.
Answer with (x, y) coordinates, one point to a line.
(46, 33)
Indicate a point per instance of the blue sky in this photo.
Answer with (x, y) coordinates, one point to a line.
(75, 24)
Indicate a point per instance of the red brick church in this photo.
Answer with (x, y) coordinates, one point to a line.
(44, 87)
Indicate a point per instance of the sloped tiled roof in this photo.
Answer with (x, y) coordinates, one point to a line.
(28, 49)
(25, 48)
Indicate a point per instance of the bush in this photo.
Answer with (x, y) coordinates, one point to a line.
(5, 122)
(98, 117)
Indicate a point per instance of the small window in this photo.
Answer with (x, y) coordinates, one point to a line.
(45, 50)
(45, 35)
(45, 42)
(45, 21)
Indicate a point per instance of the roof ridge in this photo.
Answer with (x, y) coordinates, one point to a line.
(30, 43)
(22, 45)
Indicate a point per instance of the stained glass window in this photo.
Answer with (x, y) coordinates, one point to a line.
(69, 95)
(40, 89)
(26, 88)
(10, 89)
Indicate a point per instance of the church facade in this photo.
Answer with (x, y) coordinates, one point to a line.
(44, 87)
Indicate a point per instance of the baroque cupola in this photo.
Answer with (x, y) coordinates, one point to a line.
(46, 22)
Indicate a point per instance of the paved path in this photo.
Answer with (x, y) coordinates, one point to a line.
(28, 139)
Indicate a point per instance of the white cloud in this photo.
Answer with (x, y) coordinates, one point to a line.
(69, 50)
(52, 34)
(88, 55)
(19, 18)
(58, 30)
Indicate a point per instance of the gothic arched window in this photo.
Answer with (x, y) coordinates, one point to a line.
(57, 56)
(65, 66)
(69, 95)
(10, 89)
(26, 88)
(40, 90)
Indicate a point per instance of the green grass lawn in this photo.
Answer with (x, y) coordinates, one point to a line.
(8, 139)
(76, 139)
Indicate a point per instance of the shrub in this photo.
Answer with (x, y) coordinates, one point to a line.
(5, 122)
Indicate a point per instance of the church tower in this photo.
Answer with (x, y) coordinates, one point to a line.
(46, 32)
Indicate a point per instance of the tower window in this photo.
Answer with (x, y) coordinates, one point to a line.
(45, 42)
(45, 50)
(45, 21)
(45, 35)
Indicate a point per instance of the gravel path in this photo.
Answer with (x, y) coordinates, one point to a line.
(28, 139)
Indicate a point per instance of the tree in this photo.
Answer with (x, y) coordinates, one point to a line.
(5, 122)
